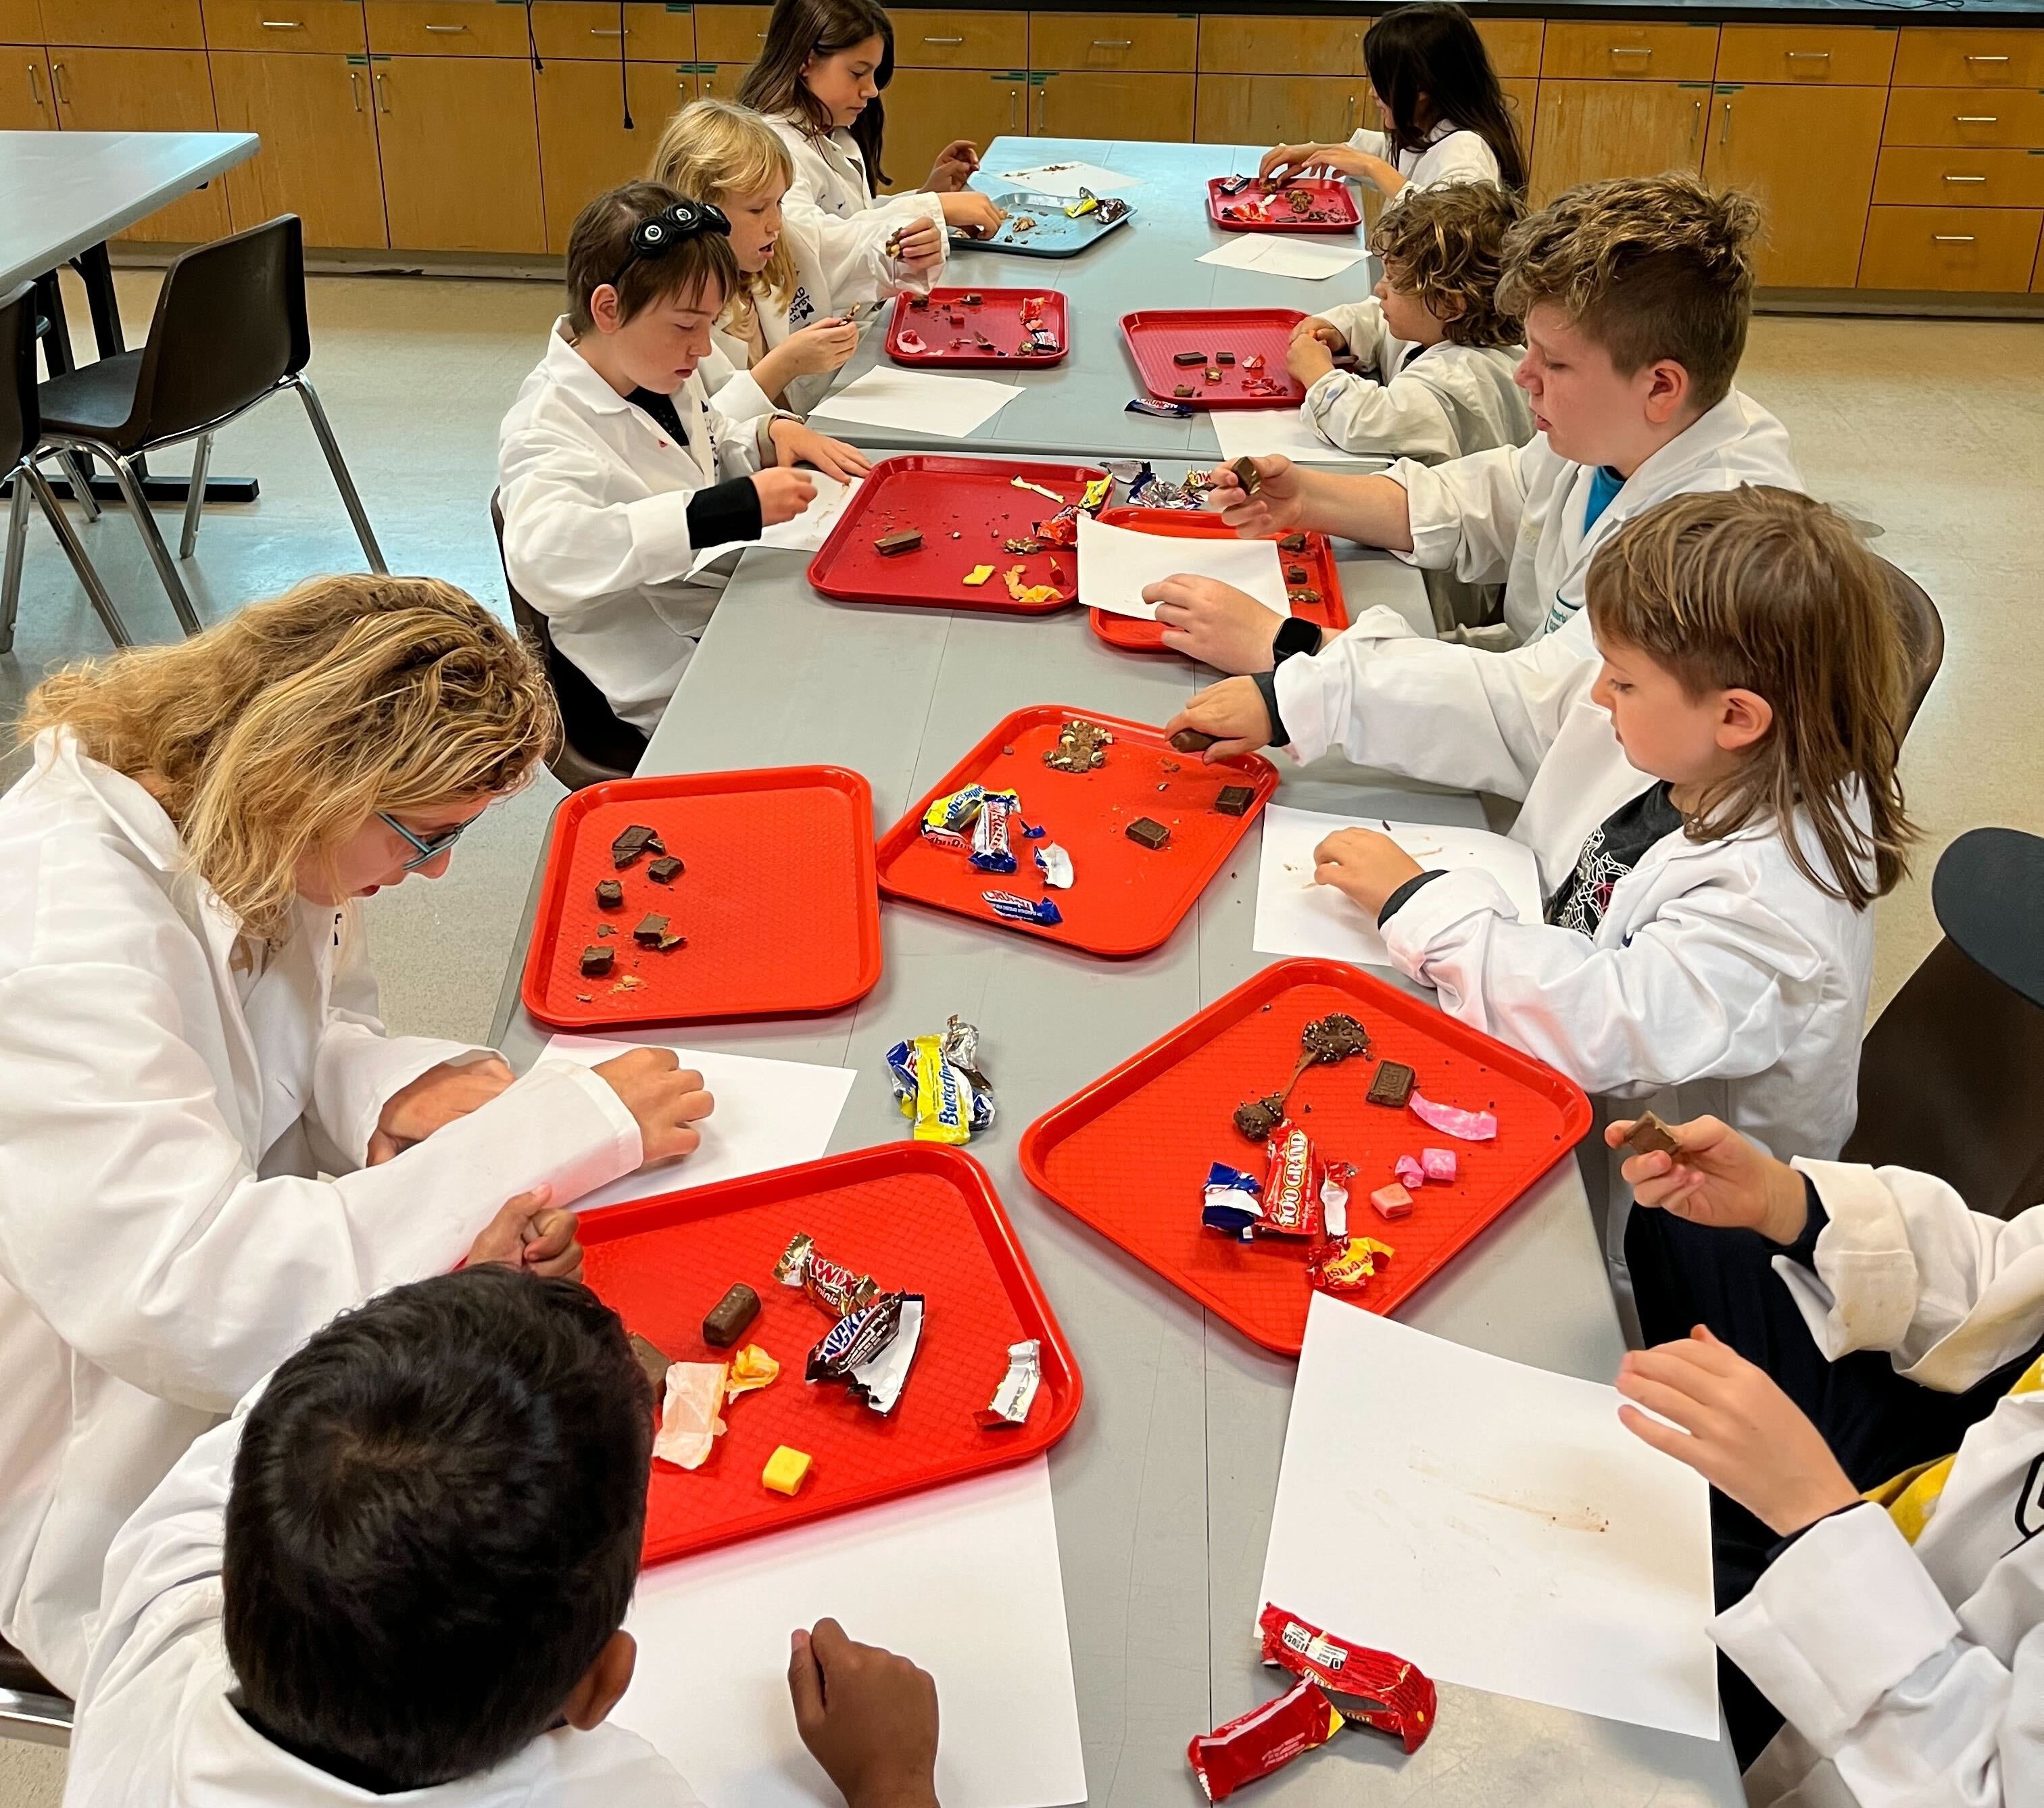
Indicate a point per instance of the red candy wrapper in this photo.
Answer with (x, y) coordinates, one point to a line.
(1346, 1265)
(1264, 1740)
(1292, 1185)
(1382, 1691)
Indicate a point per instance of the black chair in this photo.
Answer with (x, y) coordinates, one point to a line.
(1951, 1076)
(30, 1706)
(229, 330)
(20, 432)
(1923, 635)
(595, 743)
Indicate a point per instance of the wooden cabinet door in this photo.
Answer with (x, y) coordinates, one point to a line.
(584, 148)
(960, 40)
(720, 81)
(306, 26)
(1257, 44)
(1978, 250)
(144, 90)
(461, 153)
(318, 158)
(1279, 109)
(1586, 131)
(1964, 117)
(21, 22)
(1946, 56)
(731, 34)
(1620, 50)
(1814, 207)
(1113, 40)
(1084, 103)
(927, 107)
(1512, 45)
(139, 25)
(26, 103)
(653, 33)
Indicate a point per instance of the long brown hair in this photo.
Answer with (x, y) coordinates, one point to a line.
(282, 731)
(796, 31)
(1433, 49)
(1763, 590)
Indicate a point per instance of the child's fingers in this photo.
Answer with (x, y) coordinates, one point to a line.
(805, 1683)
(1665, 1438)
(1691, 1415)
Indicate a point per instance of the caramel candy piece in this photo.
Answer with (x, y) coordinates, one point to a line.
(1146, 833)
(1192, 741)
(725, 1322)
(1234, 800)
(1649, 1134)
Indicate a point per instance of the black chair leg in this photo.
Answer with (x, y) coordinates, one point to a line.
(159, 555)
(323, 431)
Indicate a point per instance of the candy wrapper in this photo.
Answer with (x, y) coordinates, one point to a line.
(1345, 1265)
(1335, 1179)
(1264, 1740)
(1292, 1185)
(1409, 1171)
(1232, 1203)
(1381, 1690)
(1013, 905)
(1451, 1120)
(948, 819)
(690, 1426)
(990, 851)
(1017, 1392)
(938, 1083)
(1055, 864)
(750, 1369)
(878, 1380)
(828, 1284)
(855, 1339)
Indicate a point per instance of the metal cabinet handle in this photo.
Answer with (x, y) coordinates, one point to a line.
(1814, 55)
(1987, 59)
(927, 40)
(1112, 43)
(1348, 130)
(1976, 119)
(1011, 109)
(382, 94)
(1963, 178)
(1631, 50)
(57, 85)
(1724, 130)
(1952, 239)
(35, 87)
(602, 31)
(1696, 125)
(283, 25)
(354, 88)
(446, 29)
(1043, 107)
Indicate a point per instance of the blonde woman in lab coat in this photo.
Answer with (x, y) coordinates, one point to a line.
(190, 1045)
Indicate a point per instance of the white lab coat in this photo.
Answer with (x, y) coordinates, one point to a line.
(1913, 1674)
(1449, 154)
(1442, 402)
(1515, 515)
(156, 1728)
(1720, 979)
(165, 1239)
(596, 525)
(830, 177)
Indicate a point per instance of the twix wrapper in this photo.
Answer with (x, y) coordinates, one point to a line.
(1375, 1688)
(830, 1284)
(1264, 1740)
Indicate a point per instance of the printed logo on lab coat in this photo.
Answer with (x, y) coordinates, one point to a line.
(801, 308)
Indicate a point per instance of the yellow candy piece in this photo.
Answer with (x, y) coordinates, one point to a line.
(978, 575)
(786, 1470)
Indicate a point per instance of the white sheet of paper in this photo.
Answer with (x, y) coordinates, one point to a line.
(1510, 1534)
(769, 1114)
(1258, 432)
(1276, 255)
(1295, 916)
(916, 402)
(1067, 179)
(964, 1579)
(805, 533)
(1115, 564)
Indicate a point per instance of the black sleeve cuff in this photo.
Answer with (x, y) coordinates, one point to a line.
(1266, 687)
(1803, 1252)
(725, 512)
(1397, 900)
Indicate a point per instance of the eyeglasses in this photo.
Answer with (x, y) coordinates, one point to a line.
(659, 234)
(429, 850)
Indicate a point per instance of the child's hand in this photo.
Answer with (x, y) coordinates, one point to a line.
(1364, 866)
(1282, 162)
(1719, 1180)
(1215, 622)
(435, 1099)
(666, 1099)
(531, 1235)
(956, 163)
(1308, 359)
(796, 443)
(1326, 331)
(920, 245)
(1233, 712)
(969, 211)
(1740, 1431)
(783, 494)
(825, 347)
(868, 1716)
(1275, 507)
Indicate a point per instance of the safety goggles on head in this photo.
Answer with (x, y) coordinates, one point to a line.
(659, 234)
(429, 850)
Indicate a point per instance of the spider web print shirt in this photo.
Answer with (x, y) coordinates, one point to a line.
(1618, 844)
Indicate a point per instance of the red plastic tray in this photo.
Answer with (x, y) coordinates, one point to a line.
(1153, 334)
(1140, 637)
(1330, 194)
(974, 498)
(776, 861)
(1129, 1155)
(915, 1216)
(999, 316)
(1124, 899)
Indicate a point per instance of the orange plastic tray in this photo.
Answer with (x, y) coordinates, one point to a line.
(1129, 1154)
(1139, 636)
(998, 316)
(918, 1218)
(778, 900)
(1124, 899)
(1259, 209)
(1155, 335)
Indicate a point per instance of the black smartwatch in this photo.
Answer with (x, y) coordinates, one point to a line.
(1295, 635)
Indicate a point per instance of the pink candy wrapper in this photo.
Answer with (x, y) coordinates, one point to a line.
(1451, 1120)
(1409, 1171)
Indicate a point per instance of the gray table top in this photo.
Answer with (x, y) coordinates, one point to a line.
(68, 191)
(1081, 405)
(1164, 1486)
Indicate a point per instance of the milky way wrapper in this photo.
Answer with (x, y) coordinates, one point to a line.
(1017, 1392)
(1264, 1740)
(1381, 1690)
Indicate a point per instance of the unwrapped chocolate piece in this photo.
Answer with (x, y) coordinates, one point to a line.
(1016, 1392)
(654, 1361)
(596, 961)
(665, 871)
(1649, 1134)
(1381, 1690)
(1264, 1740)
(1334, 1037)
(1392, 1086)
(725, 1322)
(1294, 542)
(651, 927)
(902, 540)
(1192, 741)
(632, 842)
(1234, 800)
(1146, 832)
(609, 895)
(1188, 358)
(1246, 475)
(1081, 746)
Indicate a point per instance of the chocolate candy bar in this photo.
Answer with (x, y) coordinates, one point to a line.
(1224, 357)
(1160, 410)
(975, 301)
(1192, 741)
(1247, 475)
(1146, 833)
(651, 927)
(902, 540)
(653, 1359)
(1392, 1086)
(1649, 1134)
(630, 844)
(1297, 574)
(990, 851)
(829, 1284)
(1234, 800)
(609, 895)
(1380, 1690)
(596, 961)
(1264, 1740)
(725, 1322)
(1188, 358)
(1294, 542)
(1291, 1186)
(664, 870)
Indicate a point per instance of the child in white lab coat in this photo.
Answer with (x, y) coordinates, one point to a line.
(1447, 118)
(786, 328)
(817, 79)
(208, 1145)
(1636, 294)
(614, 466)
(403, 1566)
(1712, 800)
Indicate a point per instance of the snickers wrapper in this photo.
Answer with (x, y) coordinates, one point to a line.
(879, 1380)
(858, 1337)
(1384, 1691)
(1264, 1740)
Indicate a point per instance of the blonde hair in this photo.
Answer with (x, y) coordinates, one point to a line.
(283, 731)
(1445, 245)
(1648, 267)
(714, 151)
(1763, 590)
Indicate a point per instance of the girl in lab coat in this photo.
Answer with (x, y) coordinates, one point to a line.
(190, 1044)
(818, 81)
(786, 328)
(1437, 92)
(1713, 802)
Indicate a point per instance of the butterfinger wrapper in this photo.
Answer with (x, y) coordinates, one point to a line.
(1017, 1392)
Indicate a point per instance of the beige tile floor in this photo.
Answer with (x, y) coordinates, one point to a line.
(1934, 431)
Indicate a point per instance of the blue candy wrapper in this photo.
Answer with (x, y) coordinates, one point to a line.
(1233, 1202)
(990, 851)
(1163, 410)
(1018, 909)
(937, 1082)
